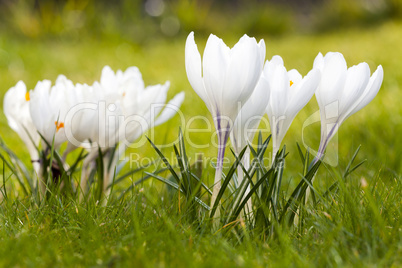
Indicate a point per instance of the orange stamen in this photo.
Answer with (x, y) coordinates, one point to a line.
(291, 82)
(27, 98)
(58, 125)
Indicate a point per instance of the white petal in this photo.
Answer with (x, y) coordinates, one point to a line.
(193, 69)
(304, 92)
(355, 84)
(371, 90)
(333, 78)
(250, 115)
(39, 105)
(279, 85)
(243, 73)
(171, 109)
(294, 76)
(276, 60)
(108, 78)
(216, 60)
(319, 62)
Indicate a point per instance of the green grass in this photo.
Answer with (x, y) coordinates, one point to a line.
(358, 226)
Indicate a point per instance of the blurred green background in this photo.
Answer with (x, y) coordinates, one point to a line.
(41, 39)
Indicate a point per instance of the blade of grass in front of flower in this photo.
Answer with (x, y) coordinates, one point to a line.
(67, 187)
(308, 183)
(348, 169)
(192, 183)
(15, 172)
(111, 186)
(184, 158)
(111, 155)
(252, 191)
(53, 155)
(101, 172)
(240, 192)
(185, 180)
(165, 161)
(267, 209)
(259, 154)
(202, 184)
(4, 191)
(19, 169)
(294, 197)
(89, 184)
(299, 150)
(225, 183)
(175, 186)
(279, 164)
(297, 196)
(257, 166)
(232, 187)
(79, 158)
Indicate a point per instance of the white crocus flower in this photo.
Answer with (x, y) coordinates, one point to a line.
(16, 108)
(49, 106)
(245, 125)
(227, 80)
(342, 92)
(140, 107)
(290, 92)
(125, 110)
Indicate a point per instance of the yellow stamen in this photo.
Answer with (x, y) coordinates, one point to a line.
(291, 82)
(27, 98)
(58, 125)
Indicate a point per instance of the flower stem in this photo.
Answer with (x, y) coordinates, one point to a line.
(240, 177)
(218, 174)
(223, 135)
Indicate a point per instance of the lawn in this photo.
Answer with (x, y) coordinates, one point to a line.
(146, 229)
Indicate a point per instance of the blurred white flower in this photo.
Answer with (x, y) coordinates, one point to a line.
(290, 92)
(117, 110)
(49, 106)
(227, 80)
(141, 107)
(16, 108)
(342, 92)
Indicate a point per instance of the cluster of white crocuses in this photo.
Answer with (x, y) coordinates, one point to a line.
(238, 89)
(115, 110)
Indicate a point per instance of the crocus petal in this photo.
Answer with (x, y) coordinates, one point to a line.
(355, 84)
(216, 60)
(243, 73)
(193, 68)
(294, 76)
(371, 90)
(171, 109)
(16, 110)
(332, 78)
(319, 62)
(107, 77)
(39, 106)
(304, 92)
(279, 81)
(250, 115)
